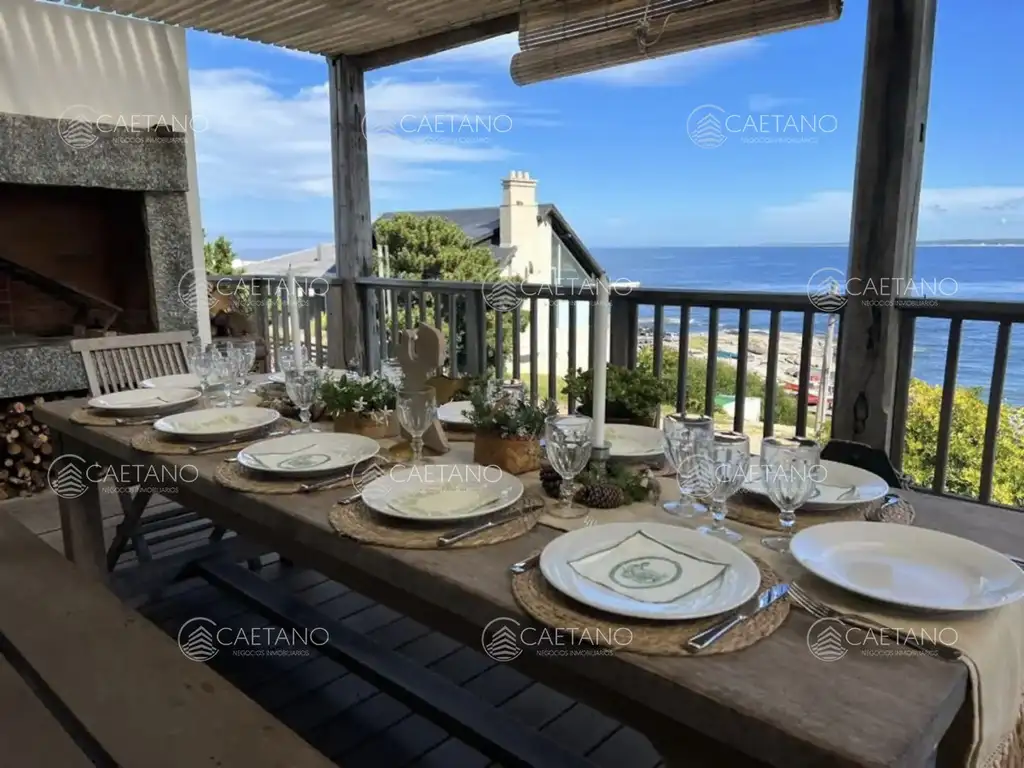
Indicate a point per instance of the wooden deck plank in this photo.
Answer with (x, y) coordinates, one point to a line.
(31, 737)
(82, 641)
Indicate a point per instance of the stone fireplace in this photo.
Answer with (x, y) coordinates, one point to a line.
(95, 237)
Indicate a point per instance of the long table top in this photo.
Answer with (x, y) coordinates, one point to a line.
(773, 703)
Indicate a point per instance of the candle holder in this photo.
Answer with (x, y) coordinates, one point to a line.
(599, 456)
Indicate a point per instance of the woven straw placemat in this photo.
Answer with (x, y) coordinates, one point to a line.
(233, 475)
(757, 511)
(151, 441)
(89, 417)
(360, 523)
(655, 638)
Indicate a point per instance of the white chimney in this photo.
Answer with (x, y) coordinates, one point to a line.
(518, 217)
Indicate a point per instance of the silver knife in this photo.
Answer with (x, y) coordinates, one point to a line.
(712, 634)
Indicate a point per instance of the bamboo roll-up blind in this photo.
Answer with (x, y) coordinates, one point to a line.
(590, 40)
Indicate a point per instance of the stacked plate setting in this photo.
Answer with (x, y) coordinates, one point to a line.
(634, 443)
(308, 454)
(216, 424)
(650, 571)
(442, 494)
(838, 486)
(142, 403)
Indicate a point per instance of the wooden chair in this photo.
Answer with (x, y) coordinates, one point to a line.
(115, 363)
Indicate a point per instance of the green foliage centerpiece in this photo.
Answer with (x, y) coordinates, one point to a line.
(618, 486)
(633, 396)
(363, 405)
(508, 430)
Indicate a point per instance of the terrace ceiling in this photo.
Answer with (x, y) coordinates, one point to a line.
(556, 37)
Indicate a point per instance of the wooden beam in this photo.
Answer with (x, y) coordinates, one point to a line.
(887, 190)
(443, 41)
(353, 228)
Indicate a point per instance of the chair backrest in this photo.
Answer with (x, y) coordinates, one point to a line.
(115, 363)
(864, 457)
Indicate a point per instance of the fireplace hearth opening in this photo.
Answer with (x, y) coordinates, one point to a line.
(73, 262)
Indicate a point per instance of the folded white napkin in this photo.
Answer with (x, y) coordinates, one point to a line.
(644, 569)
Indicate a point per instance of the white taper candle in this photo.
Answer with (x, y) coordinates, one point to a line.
(293, 318)
(602, 314)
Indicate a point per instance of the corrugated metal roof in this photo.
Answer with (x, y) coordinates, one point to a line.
(327, 27)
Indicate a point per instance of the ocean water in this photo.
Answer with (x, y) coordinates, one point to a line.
(991, 273)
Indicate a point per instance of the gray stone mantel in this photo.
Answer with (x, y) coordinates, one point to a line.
(41, 152)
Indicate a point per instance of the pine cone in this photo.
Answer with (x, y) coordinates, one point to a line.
(604, 496)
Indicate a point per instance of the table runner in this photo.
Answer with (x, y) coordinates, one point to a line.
(992, 643)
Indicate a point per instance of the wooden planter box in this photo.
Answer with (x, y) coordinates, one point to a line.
(616, 414)
(515, 456)
(361, 424)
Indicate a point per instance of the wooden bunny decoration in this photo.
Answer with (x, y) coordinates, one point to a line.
(421, 352)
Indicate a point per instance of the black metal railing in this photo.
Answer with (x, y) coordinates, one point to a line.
(533, 332)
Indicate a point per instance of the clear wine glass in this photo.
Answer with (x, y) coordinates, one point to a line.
(788, 468)
(221, 374)
(686, 442)
(201, 362)
(246, 350)
(302, 386)
(417, 409)
(286, 357)
(724, 470)
(568, 441)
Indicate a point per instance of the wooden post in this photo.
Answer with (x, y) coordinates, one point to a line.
(619, 332)
(353, 228)
(887, 190)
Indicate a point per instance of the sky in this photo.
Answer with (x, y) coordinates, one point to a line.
(613, 149)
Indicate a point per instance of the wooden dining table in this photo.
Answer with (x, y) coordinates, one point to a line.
(773, 703)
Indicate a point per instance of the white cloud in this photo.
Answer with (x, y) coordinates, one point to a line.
(260, 141)
(674, 69)
(946, 212)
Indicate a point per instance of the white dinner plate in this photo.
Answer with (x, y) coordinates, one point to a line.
(631, 441)
(308, 454)
(213, 424)
(155, 401)
(175, 381)
(456, 413)
(908, 566)
(839, 485)
(437, 493)
(650, 571)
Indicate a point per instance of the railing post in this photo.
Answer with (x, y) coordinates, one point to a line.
(619, 324)
(335, 328)
(370, 357)
(887, 191)
(476, 333)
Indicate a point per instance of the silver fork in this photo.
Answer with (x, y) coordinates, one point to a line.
(528, 562)
(819, 610)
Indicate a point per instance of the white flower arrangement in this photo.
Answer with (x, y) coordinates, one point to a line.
(373, 396)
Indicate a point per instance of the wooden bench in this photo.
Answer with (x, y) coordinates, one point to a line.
(84, 680)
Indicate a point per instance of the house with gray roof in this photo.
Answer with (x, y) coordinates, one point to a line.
(531, 240)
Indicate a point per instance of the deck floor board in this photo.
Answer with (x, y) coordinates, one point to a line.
(340, 714)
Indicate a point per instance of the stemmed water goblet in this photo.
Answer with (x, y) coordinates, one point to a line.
(417, 409)
(246, 351)
(723, 470)
(302, 386)
(202, 363)
(686, 443)
(788, 467)
(568, 441)
(286, 357)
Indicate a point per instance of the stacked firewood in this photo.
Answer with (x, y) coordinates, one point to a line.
(26, 451)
